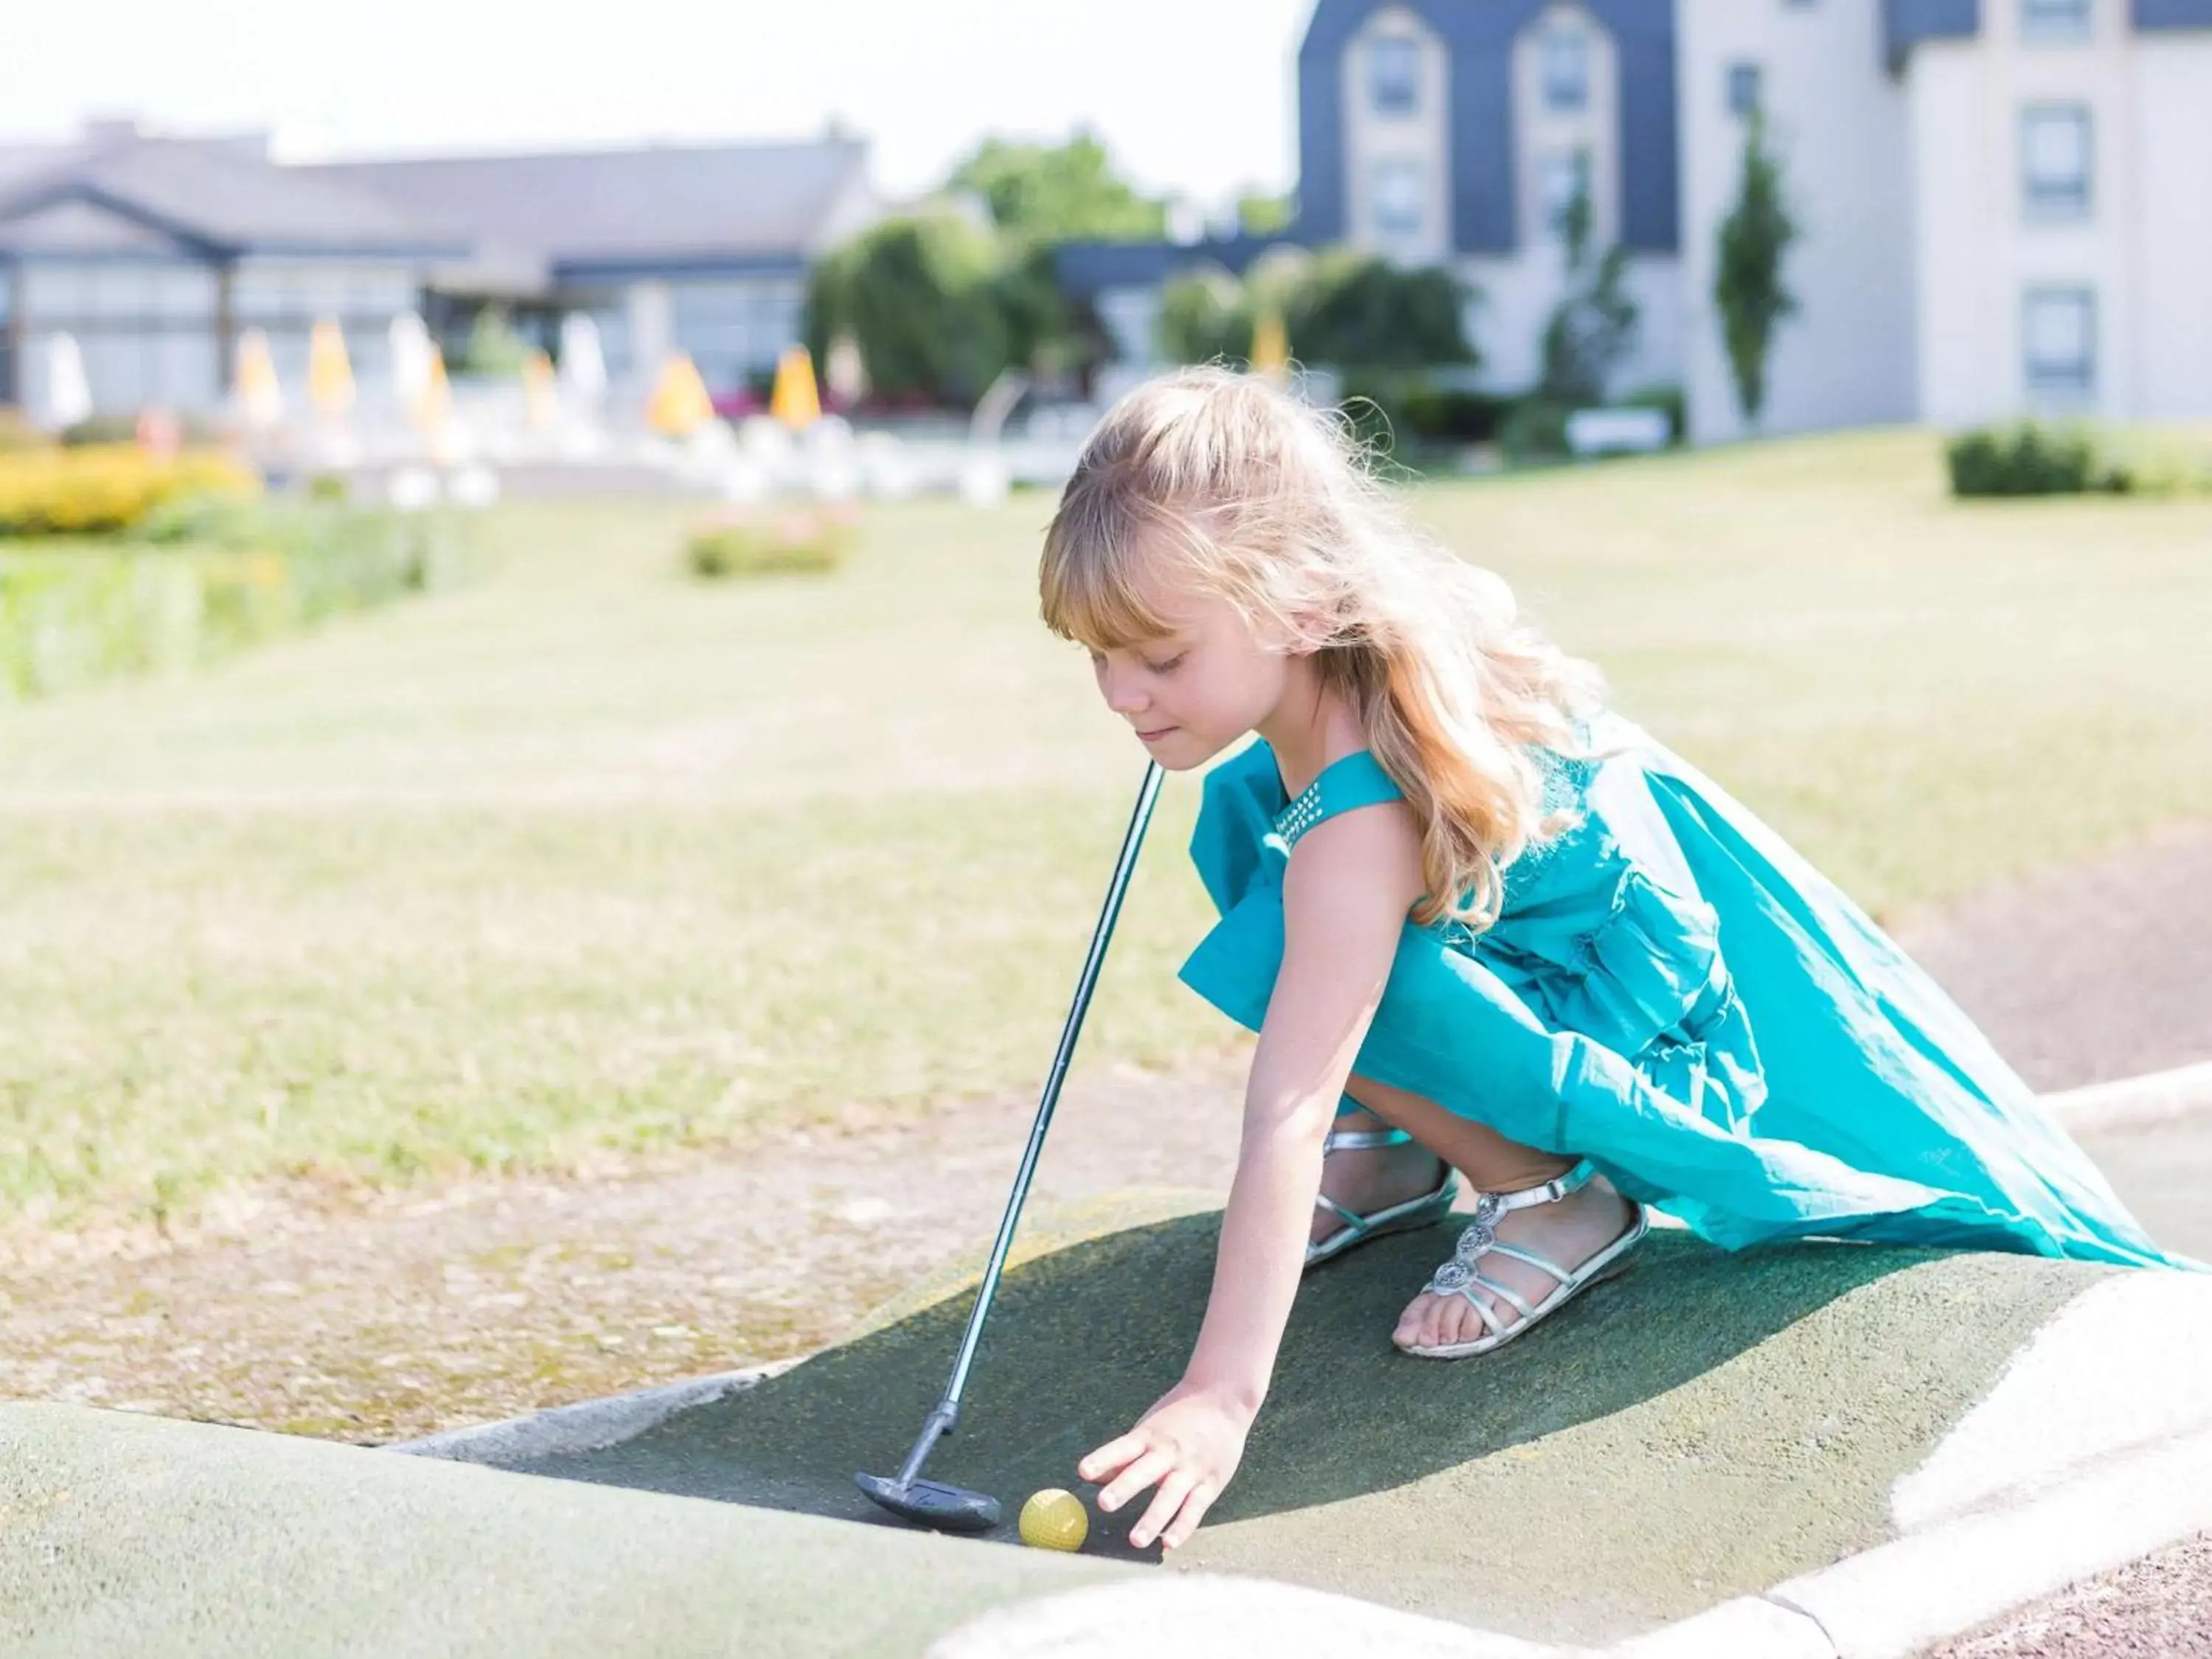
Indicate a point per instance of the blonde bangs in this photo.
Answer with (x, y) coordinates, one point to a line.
(1091, 581)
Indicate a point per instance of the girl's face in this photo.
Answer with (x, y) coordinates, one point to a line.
(1192, 692)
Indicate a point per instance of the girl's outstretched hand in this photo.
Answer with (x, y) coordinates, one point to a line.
(1190, 1442)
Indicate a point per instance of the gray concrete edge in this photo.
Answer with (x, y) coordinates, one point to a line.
(2133, 1101)
(1902, 1597)
(587, 1426)
(1889, 1602)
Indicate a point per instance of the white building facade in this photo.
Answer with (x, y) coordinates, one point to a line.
(2005, 206)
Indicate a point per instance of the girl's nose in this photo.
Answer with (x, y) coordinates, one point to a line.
(1124, 695)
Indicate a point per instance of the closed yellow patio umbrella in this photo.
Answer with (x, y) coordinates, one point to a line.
(1271, 347)
(679, 405)
(329, 374)
(796, 401)
(539, 402)
(254, 386)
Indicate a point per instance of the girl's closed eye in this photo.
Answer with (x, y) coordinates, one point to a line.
(1169, 665)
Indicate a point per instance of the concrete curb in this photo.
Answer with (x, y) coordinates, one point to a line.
(1208, 1614)
(1888, 1602)
(1900, 1598)
(587, 1426)
(2133, 1101)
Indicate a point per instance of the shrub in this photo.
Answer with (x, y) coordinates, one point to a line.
(1536, 430)
(105, 487)
(2030, 458)
(1204, 315)
(772, 540)
(1662, 395)
(195, 431)
(215, 577)
(1358, 311)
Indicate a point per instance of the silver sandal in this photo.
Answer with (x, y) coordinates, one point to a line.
(1423, 1211)
(1457, 1277)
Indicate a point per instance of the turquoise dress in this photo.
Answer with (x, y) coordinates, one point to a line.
(1674, 994)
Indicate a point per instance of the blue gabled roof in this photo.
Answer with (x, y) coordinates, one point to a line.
(223, 202)
(1087, 268)
(1906, 23)
(1479, 34)
(2174, 13)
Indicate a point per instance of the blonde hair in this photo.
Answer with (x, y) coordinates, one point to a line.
(1269, 504)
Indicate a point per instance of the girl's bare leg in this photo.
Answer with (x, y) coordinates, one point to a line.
(1568, 1232)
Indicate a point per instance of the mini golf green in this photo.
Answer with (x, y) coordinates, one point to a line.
(1704, 1427)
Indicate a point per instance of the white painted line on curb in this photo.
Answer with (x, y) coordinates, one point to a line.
(588, 1425)
(2120, 1366)
(2132, 1101)
(1749, 1627)
(1203, 1615)
(1893, 1600)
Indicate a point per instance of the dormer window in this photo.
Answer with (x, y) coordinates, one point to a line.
(1393, 74)
(1401, 189)
(1566, 69)
(2054, 20)
(2054, 161)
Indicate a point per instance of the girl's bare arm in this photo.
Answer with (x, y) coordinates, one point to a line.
(1346, 893)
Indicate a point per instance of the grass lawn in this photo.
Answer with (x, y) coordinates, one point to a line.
(591, 857)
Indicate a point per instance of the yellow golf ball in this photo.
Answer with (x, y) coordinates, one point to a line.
(1055, 1520)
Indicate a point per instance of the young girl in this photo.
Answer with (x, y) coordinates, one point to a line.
(1482, 924)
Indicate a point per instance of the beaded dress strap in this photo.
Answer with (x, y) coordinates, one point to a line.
(1357, 779)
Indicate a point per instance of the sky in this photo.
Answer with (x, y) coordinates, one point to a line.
(1194, 96)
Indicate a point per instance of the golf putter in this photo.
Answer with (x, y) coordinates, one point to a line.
(933, 1503)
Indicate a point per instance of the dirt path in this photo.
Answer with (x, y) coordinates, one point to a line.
(371, 1317)
(378, 1317)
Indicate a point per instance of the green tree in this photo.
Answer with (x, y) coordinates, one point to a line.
(923, 296)
(1261, 215)
(1205, 314)
(494, 346)
(1594, 324)
(1747, 286)
(1356, 311)
(1057, 193)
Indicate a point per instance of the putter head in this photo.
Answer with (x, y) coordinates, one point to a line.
(933, 1503)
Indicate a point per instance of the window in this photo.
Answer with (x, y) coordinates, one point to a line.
(1565, 67)
(1742, 88)
(1393, 74)
(1561, 177)
(2054, 161)
(2054, 20)
(1400, 198)
(2059, 336)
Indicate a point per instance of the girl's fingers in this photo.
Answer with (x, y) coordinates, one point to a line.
(1194, 1511)
(1134, 1479)
(1165, 1503)
(1114, 1455)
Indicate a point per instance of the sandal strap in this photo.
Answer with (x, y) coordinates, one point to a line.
(1498, 1290)
(1498, 1246)
(1491, 1322)
(1352, 1219)
(1550, 1193)
(1362, 1139)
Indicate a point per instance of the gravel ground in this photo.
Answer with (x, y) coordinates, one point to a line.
(2160, 1607)
(2090, 972)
